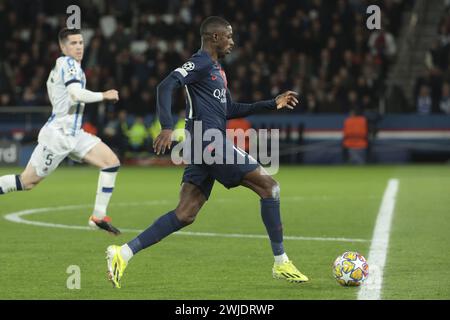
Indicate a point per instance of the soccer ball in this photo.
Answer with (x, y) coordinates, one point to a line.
(350, 269)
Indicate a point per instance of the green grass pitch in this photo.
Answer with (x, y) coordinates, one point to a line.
(319, 202)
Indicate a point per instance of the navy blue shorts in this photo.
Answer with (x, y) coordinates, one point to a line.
(229, 175)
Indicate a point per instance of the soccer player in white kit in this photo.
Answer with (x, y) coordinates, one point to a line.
(63, 136)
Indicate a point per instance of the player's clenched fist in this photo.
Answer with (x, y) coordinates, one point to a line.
(111, 95)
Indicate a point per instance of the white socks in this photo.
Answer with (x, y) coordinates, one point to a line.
(106, 182)
(281, 259)
(126, 252)
(10, 183)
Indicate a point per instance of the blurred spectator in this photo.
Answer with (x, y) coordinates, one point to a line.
(311, 103)
(436, 57)
(444, 104)
(382, 44)
(5, 99)
(424, 102)
(319, 47)
(431, 88)
(115, 132)
(355, 142)
(137, 135)
(432, 79)
(154, 129)
(353, 101)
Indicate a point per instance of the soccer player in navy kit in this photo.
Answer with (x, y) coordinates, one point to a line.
(209, 102)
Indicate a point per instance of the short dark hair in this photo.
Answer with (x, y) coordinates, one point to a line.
(65, 32)
(211, 23)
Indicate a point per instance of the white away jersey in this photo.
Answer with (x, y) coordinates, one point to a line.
(67, 114)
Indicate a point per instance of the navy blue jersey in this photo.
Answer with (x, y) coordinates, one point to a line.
(206, 90)
(207, 96)
(208, 100)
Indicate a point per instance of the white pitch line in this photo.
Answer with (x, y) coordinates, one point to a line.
(379, 245)
(17, 217)
(260, 236)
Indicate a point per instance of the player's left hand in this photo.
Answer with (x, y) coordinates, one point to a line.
(287, 99)
(163, 141)
(111, 95)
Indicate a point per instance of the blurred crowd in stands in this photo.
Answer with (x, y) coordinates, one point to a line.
(432, 90)
(319, 48)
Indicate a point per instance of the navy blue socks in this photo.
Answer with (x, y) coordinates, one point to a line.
(270, 213)
(160, 229)
(169, 223)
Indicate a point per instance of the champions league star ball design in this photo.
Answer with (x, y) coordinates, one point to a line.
(188, 66)
(350, 269)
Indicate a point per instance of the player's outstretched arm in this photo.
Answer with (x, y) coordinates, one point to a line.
(287, 99)
(78, 94)
(111, 95)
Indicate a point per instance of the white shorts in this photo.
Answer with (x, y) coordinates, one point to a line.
(54, 146)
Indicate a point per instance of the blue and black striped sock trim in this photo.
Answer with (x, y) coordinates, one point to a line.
(112, 169)
(107, 190)
(18, 183)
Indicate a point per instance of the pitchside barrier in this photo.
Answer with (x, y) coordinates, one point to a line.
(303, 138)
(393, 138)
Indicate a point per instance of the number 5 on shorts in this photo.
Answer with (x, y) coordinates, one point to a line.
(49, 159)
